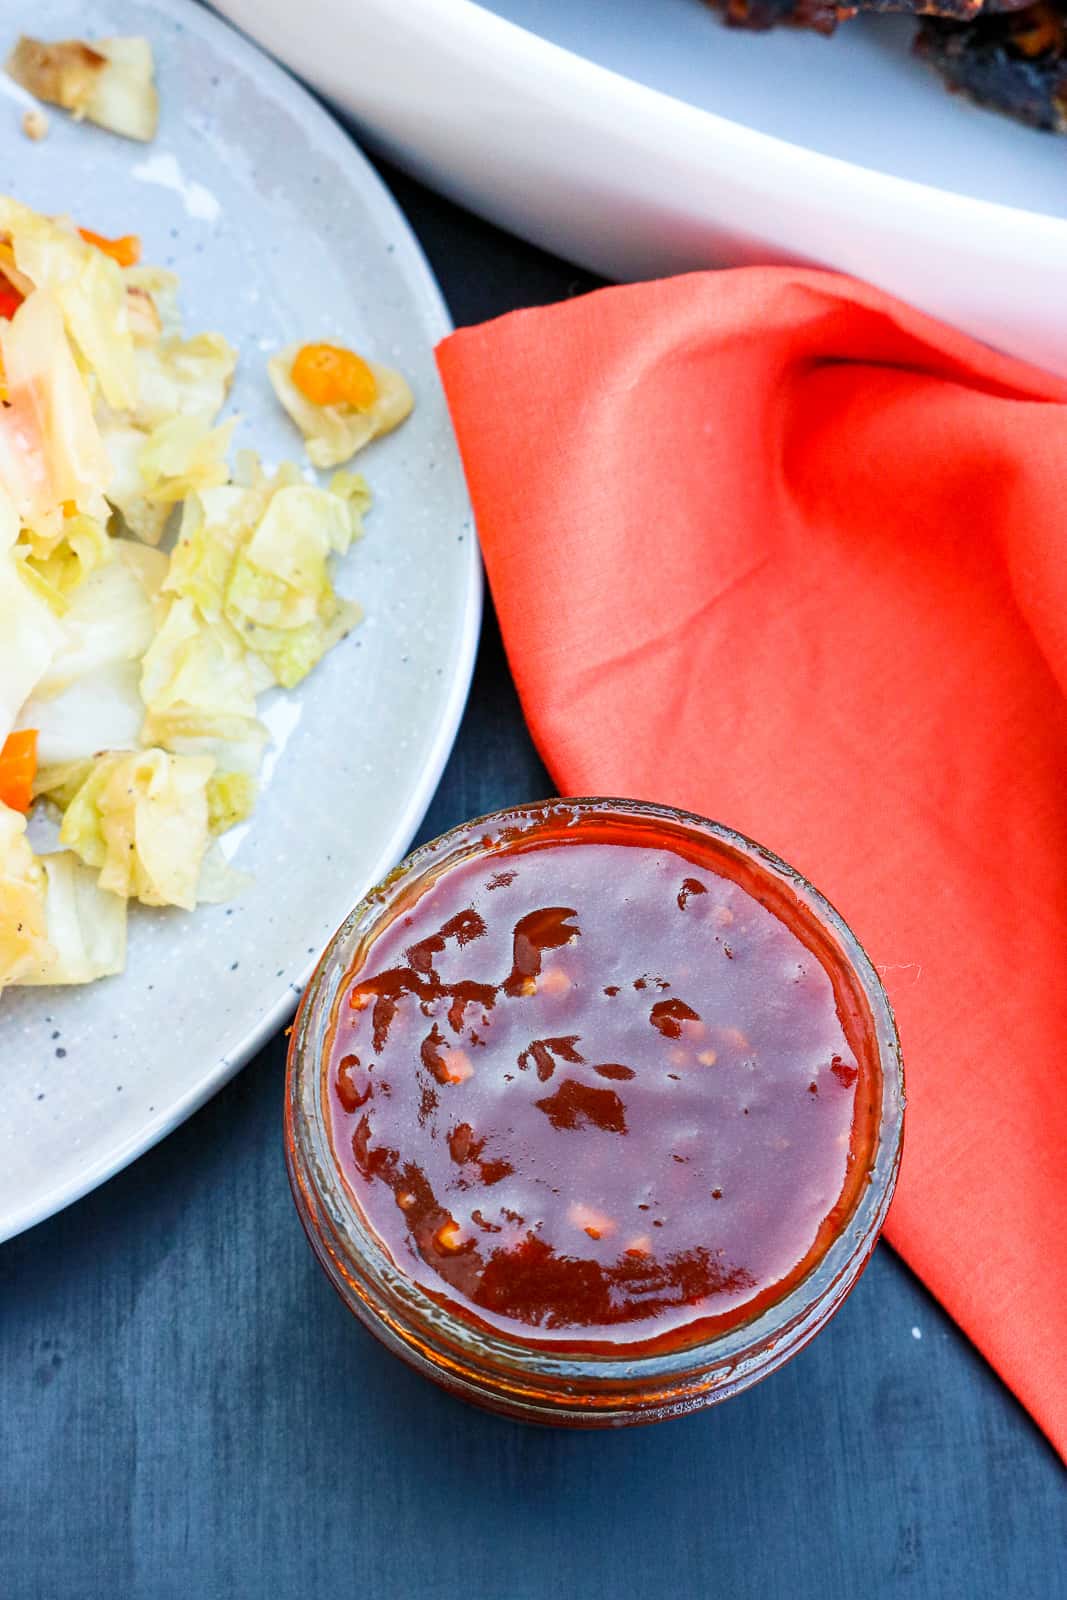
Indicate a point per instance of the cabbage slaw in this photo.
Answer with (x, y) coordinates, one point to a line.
(129, 677)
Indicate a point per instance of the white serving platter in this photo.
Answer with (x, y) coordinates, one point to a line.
(640, 137)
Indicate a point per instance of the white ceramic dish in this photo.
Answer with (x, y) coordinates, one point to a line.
(641, 137)
(279, 229)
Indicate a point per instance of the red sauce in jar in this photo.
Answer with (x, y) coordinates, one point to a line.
(603, 1086)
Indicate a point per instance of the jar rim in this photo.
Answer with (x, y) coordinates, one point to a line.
(416, 1324)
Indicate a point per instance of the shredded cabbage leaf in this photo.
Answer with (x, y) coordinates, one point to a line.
(23, 925)
(89, 290)
(183, 455)
(30, 635)
(333, 434)
(86, 926)
(109, 618)
(279, 595)
(101, 711)
(59, 563)
(51, 453)
(183, 378)
(197, 666)
(108, 81)
(142, 821)
(88, 698)
(126, 491)
(160, 288)
(258, 558)
(60, 781)
(199, 685)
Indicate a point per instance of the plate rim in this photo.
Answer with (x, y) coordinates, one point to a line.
(282, 85)
(514, 44)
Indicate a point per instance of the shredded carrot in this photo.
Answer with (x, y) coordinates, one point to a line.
(126, 251)
(10, 300)
(328, 375)
(18, 767)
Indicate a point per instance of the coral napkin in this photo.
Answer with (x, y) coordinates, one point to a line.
(769, 545)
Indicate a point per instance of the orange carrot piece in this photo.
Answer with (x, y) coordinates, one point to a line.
(18, 767)
(328, 375)
(126, 251)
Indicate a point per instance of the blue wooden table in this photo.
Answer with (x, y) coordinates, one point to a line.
(188, 1412)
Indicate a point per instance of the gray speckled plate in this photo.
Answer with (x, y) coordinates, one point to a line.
(280, 230)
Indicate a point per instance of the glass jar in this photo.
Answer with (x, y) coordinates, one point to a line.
(523, 1377)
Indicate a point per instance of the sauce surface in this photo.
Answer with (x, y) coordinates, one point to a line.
(591, 1091)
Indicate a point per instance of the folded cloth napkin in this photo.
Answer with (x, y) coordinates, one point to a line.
(771, 546)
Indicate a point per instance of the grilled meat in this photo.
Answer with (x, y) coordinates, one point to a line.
(1013, 63)
(824, 15)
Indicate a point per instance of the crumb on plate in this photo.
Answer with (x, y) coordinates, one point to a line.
(35, 124)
